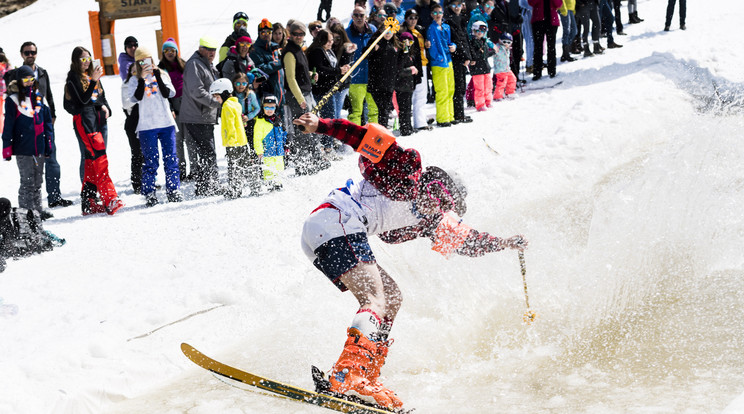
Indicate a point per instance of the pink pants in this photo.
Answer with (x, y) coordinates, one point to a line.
(482, 90)
(505, 82)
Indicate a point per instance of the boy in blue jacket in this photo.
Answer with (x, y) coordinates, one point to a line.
(440, 45)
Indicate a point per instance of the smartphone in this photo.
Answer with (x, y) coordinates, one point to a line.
(96, 63)
(148, 61)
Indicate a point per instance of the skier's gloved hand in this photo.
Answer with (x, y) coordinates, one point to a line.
(515, 242)
(7, 153)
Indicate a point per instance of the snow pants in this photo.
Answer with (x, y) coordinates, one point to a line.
(419, 102)
(506, 82)
(95, 170)
(482, 90)
(357, 94)
(149, 140)
(272, 168)
(444, 86)
(31, 170)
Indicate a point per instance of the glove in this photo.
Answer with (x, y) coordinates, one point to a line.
(7, 152)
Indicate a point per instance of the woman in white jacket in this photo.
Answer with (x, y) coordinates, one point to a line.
(156, 124)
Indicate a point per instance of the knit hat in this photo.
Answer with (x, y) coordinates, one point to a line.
(209, 42)
(24, 71)
(297, 25)
(130, 40)
(141, 53)
(240, 17)
(265, 24)
(243, 39)
(406, 36)
(170, 43)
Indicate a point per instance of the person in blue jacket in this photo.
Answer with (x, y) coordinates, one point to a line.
(28, 133)
(440, 45)
(360, 33)
(265, 56)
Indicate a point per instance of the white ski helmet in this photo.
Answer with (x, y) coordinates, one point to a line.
(219, 86)
(479, 25)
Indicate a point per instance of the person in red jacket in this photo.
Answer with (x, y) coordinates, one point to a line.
(545, 24)
(398, 201)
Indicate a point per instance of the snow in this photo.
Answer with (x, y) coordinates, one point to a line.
(626, 179)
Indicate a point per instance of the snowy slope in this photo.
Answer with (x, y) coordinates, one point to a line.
(626, 179)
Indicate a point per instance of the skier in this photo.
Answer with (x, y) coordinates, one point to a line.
(399, 202)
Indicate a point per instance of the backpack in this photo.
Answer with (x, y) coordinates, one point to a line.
(23, 234)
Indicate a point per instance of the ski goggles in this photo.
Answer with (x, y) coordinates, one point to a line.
(169, 50)
(246, 44)
(269, 107)
(28, 79)
(506, 42)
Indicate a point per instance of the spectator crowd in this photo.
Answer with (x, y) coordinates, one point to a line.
(456, 54)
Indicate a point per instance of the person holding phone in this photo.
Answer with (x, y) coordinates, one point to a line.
(156, 125)
(85, 100)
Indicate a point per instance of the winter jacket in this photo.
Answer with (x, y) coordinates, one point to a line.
(269, 136)
(249, 103)
(197, 105)
(328, 73)
(88, 101)
(502, 59)
(361, 73)
(482, 50)
(298, 72)
(176, 77)
(234, 64)
(233, 132)
(125, 61)
(406, 81)
(265, 56)
(383, 64)
(504, 19)
(424, 12)
(440, 38)
(4, 68)
(419, 45)
(26, 131)
(457, 23)
(539, 9)
(568, 5)
(152, 95)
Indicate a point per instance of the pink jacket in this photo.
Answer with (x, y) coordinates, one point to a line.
(538, 14)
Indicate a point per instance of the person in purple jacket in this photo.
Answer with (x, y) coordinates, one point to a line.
(545, 24)
(126, 58)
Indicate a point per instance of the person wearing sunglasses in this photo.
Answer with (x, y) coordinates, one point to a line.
(85, 100)
(238, 59)
(265, 56)
(421, 79)
(439, 37)
(240, 29)
(461, 58)
(52, 170)
(361, 34)
(398, 201)
(506, 81)
(480, 69)
(303, 147)
(269, 139)
(28, 134)
(506, 18)
(126, 58)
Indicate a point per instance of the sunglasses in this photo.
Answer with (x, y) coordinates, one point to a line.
(412, 17)
(86, 59)
(488, 7)
(169, 50)
(358, 15)
(382, 16)
(506, 42)
(28, 79)
(209, 49)
(298, 34)
(131, 45)
(246, 44)
(241, 83)
(270, 107)
(436, 13)
(455, 6)
(314, 28)
(29, 53)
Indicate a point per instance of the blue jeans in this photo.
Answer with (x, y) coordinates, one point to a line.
(149, 142)
(569, 28)
(608, 19)
(338, 102)
(51, 176)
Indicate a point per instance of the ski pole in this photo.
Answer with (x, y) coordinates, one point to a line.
(391, 25)
(529, 316)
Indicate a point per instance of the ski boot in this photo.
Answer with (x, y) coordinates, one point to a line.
(91, 206)
(358, 369)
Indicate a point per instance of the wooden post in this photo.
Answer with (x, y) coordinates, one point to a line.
(95, 33)
(169, 21)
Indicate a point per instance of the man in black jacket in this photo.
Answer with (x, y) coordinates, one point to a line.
(52, 169)
(454, 17)
(506, 17)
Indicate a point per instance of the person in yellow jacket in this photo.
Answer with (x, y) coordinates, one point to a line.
(567, 14)
(269, 137)
(233, 137)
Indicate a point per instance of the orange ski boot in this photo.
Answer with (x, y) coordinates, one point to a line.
(358, 369)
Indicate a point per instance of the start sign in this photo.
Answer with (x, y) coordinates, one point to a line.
(125, 9)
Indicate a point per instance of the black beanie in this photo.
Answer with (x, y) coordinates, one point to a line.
(130, 40)
(24, 72)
